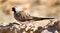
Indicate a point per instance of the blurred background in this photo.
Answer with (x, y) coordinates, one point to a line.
(38, 8)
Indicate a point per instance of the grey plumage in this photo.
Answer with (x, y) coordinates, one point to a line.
(22, 16)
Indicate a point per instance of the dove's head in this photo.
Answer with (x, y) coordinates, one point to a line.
(17, 9)
(24, 8)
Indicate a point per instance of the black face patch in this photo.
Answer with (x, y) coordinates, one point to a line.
(13, 9)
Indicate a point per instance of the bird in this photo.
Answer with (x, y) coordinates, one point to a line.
(23, 16)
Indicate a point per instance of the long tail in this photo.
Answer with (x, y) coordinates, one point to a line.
(37, 18)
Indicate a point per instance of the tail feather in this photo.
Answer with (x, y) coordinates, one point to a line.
(37, 18)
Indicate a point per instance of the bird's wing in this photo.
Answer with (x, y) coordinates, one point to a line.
(25, 15)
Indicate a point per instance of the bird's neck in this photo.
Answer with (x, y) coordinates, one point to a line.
(14, 11)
